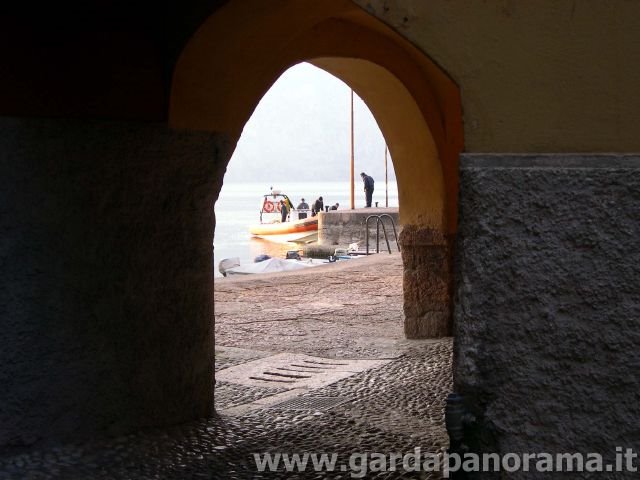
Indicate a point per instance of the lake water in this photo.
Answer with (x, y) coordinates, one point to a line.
(238, 207)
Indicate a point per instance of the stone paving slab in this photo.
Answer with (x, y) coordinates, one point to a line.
(294, 371)
(226, 356)
(272, 380)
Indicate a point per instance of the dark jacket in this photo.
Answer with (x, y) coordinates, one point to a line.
(368, 183)
(318, 206)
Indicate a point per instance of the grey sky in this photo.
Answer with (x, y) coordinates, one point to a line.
(300, 132)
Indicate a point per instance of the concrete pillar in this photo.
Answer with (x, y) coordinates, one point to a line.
(426, 254)
(546, 310)
(106, 296)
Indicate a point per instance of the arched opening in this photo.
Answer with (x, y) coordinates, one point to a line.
(298, 142)
(240, 51)
(307, 360)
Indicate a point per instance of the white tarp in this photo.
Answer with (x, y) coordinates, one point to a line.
(228, 263)
(272, 265)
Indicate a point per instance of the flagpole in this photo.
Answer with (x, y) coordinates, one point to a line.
(386, 179)
(353, 203)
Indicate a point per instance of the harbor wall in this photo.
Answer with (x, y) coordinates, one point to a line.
(344, 227)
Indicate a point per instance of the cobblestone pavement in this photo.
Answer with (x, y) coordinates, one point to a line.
(392, 408)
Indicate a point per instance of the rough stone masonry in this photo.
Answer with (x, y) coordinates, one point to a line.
(546, 311)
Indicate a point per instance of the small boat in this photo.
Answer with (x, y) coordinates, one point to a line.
(300, 225)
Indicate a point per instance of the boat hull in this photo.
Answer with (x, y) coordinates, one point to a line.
(304, 230)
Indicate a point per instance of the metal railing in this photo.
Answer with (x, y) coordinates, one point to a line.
(380, 222)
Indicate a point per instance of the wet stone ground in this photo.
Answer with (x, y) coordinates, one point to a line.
(394, 407)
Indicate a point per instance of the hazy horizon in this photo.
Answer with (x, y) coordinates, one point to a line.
(300, 131)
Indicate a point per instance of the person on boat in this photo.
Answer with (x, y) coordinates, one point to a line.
(288, 203)
(335, 207)
(318, 206)
(284, 210)
(368, 187)
(302, 207)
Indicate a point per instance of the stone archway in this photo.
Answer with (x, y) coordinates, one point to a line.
(241, 50)
(106, 245)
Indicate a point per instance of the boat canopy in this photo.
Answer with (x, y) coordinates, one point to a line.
(271, 202)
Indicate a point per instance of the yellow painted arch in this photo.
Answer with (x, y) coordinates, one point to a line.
(414, 153)
(242, 49)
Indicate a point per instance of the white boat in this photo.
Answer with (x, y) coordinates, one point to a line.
(299, 227)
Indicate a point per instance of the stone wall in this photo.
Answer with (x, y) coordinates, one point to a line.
(106, 295)
(547, 309)
(426, 254)
(343, 227)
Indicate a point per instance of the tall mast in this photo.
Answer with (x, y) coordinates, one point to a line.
(353, 202)
(386, 178)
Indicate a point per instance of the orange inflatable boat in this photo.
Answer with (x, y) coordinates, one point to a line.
(299, 226)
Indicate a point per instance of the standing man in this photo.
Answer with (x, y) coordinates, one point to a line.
(368, 187)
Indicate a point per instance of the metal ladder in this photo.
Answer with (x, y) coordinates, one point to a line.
(379, 222)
